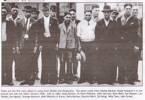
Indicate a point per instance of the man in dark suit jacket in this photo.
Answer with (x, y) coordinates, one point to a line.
(9, 39)
(27, 46)
(128, 39)
(105, 38)
(47, 30)
(16, 27)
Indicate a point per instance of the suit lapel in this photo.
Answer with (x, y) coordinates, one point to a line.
(64, 28)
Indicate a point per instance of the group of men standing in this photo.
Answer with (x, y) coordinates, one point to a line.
(101, 45)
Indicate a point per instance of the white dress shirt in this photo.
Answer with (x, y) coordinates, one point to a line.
(28, 23)
(106, 22)
(4, 35)
(46, 26)
(86, 30)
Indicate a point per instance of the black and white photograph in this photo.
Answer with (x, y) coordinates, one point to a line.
(71, 44)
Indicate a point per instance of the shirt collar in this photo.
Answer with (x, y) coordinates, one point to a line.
(46, 18)
(123, 17)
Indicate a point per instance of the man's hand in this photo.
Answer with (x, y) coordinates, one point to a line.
(35, 49)
(136, 49)
(17, 50)
(46, 34)
(78, 56)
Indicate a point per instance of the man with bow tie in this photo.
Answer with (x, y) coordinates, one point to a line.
(47, 31)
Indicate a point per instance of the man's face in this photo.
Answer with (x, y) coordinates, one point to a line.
(53, 14)
(135, 12)
(67, 18)
(27, 14)
(46, 13)
(73, 15)
(88, 16)
(107, 15)
(4, 13)
(34, 15)
(14, 11)
(128, 10)
(95, 12)
(114, 15)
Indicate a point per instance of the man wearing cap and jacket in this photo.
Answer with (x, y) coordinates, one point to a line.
(48, 34)
(105, 38)
(35, 16)
(27, 45)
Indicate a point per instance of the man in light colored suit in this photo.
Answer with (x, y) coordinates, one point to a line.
(67, 48)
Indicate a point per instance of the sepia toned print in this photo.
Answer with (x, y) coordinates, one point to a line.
(78, 44)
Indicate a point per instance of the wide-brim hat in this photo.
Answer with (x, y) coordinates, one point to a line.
(45, 8)
(27, 9)
(115, 11)
(35, 10)
(107, 8)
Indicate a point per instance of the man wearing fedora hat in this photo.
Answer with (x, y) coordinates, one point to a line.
(47, 31)
(35, 13)
(27, 44)
(105, 34)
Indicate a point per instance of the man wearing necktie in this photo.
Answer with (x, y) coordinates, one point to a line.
(47, 31)
(27, 45)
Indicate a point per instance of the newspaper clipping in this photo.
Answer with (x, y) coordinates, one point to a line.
(71, 50)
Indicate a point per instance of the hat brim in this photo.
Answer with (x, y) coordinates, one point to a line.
(107, 10)
(27, 10)
(115, 12)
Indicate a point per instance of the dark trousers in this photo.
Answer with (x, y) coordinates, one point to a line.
(106, 67)
(7, 59)
(49, 65)
(18, 67)
(27, 59)
(75, 65)
(127, 62)
(66, 56)
(87, 67)
(36, 62)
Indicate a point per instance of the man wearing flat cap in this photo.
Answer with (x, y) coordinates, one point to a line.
(105, 37)
(27, 45)
(47, 31)
(128, 40)
(35, 13)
